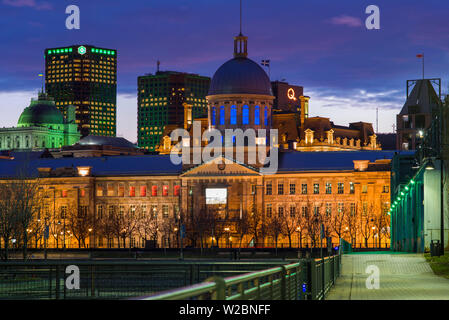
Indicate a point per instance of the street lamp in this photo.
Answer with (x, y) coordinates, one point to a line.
(54, 213)
(228, 231)
(430, 165)
(298, 230)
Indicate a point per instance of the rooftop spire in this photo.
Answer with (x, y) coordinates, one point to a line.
(240, 41)
(240, 17)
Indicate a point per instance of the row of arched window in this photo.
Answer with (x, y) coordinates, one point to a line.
(233, 115)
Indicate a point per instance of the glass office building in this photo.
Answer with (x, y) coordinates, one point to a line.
(84, 76)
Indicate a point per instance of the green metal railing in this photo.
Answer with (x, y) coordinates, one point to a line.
(323, 273)
(306, 279)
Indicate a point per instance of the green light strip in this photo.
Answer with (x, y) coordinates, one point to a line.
(61, 50)
(399, 198)
(103, 51)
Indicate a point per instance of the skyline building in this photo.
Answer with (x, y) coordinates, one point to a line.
(416, 115)
(162, 104)
(84, 76)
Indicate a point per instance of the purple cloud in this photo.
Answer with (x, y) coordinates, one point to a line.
(28, 3)
(345, 20)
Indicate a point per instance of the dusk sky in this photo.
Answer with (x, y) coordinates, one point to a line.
(323, 45)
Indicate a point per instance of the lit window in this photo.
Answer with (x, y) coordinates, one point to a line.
(304, 188)
(143, 191)
(222, 115)
(328, 188)
(64, 193)
(292, 211)
(213, 115)
(280, 188)
(110, 191)
(233, 115)
(269, 189)
(269, 209)
(257, 115)
(154, 191)
(165, 190)
(245, 115)
(165, 211)
(132, 191)
(176, 190)
(292, 188)
(328, 209)
(281, 211)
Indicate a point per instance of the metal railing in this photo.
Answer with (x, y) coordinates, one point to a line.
(111, 279)
(306, 279)
(323, 273)
(154, 280)
(280, 283)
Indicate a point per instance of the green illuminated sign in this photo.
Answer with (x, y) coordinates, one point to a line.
(81, 49)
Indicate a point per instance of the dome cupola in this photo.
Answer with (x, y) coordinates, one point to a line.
(42, 111)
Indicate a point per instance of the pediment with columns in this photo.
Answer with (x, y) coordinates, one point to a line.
(221, 166)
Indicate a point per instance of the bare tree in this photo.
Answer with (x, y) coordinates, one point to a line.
(167, 228)
(20, 203)
(255, 225)
(79, 222)
(36, 231)
(381, 222)
(314, 221)
(242, 226)
(290, 224)
(302, 222)
(148, 226)
(366, 221)
(351, 224)
(275, 227)
(129, 222)
(338, 220)
(8, 221)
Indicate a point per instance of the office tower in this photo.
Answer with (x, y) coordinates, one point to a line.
(84, 76)
(161, 99)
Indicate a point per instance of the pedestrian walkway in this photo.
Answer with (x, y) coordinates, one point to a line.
(401, 277)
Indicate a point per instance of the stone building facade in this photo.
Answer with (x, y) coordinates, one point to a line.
(145, 201)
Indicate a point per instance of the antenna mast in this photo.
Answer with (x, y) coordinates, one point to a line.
(240, 16)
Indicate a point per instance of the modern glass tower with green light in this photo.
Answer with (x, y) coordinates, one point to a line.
(86, 77)
(160, 103)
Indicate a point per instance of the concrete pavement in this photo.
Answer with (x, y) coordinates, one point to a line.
(401, 277)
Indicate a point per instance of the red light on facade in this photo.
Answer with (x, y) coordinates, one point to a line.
(132, 191)
(176, 190)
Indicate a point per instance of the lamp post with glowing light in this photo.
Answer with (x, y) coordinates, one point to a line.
(228, 233)
(298, 230)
